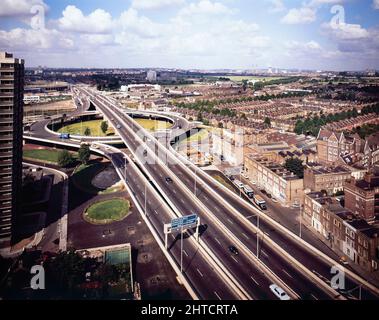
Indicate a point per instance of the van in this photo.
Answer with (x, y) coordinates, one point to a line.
(239, 184)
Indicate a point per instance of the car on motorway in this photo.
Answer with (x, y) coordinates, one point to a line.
(279, 292)
(233, 250)
(168, 180)
(64, 136)
(118, 126)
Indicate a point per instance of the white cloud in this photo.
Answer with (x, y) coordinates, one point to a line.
(299, 16)
(99, 21)
(9, 8)
(31, 40)
(276, 6)
(206, 7)
(375, 4)
(345, 31)
(155, 4)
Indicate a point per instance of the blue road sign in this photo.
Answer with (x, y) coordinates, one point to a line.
(184, 222)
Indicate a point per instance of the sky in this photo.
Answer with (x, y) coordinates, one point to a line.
(193, 34)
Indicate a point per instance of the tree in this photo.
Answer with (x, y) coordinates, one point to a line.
(84, 153)
(87, 131)
(267, 122)
(295, 165)
(65, 159)
(104, 126)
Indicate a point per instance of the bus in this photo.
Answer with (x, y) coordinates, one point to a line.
(258, 200)
(248, 191)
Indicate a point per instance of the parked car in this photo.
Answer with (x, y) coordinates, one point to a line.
(274, 200)
(279, 292)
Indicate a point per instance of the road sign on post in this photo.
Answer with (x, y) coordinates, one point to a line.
(180, 225)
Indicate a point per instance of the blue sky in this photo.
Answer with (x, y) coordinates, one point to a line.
(201, 34)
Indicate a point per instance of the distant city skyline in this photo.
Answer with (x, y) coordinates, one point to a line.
(332, 35)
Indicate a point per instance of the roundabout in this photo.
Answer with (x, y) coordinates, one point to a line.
(107, 211)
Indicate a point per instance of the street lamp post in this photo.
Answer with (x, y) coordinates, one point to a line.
(181, 250)
(195, 181)
(300, 218)
(258, 236)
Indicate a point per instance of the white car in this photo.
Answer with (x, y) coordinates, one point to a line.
(253, 182)
(245, 176)
(279, 292)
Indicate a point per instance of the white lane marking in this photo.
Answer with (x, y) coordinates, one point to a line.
(234, 259)
(218, 241)
(264, 253)
(249, 217)
(313, 296)
(206, 198)
(256, 282)
(245, 236)
(182, 201)
(219, 298)
(287, 273)
(267, 234)
(173, 190)
(185, 252)
(231, 221)
(199, 272)
(156, 212)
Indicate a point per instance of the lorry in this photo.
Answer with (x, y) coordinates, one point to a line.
(248, 191)
(258, 200)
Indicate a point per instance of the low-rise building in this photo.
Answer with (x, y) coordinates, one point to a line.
(282, 184)
(347, 234)
(329, 179)
(362, 196)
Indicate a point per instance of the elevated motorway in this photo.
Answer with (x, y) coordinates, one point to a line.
(298, 265)
(223, 230)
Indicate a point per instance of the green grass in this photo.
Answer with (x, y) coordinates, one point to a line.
(199, 136)
(107, 211)
(44, 155)
(153, 125)
(95, 127)
(79, 128)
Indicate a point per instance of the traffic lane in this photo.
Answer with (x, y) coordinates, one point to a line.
(282, 274)
(301, 285)
(307, 258)
(245, 264)
(191, 257)
(181, 202)
(184, 207)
